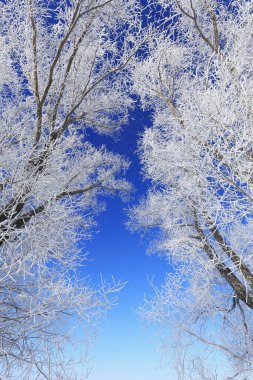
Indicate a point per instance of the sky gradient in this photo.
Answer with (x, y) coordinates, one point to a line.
(124, 349)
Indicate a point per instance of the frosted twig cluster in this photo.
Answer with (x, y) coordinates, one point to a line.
(197, 78)
(64, 68)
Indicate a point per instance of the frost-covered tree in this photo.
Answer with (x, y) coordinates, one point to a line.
(63, 70)
(198, 79)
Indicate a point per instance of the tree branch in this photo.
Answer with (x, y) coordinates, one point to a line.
(35, 75)
(231, 253)
(239, 288)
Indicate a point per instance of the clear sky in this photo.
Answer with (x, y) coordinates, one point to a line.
(124, 349)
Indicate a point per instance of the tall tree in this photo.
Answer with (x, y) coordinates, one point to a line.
(63, 70)
(197, 78)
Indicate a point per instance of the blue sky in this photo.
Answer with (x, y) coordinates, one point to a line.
(124, 349)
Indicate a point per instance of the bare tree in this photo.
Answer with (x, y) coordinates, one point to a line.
(64, 68)
(197, 78)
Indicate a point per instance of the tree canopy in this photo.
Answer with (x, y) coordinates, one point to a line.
(63, 70)
(198, 154)
(69, 66)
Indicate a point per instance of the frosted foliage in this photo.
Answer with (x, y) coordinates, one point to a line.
(197, 79)
(65, 67)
